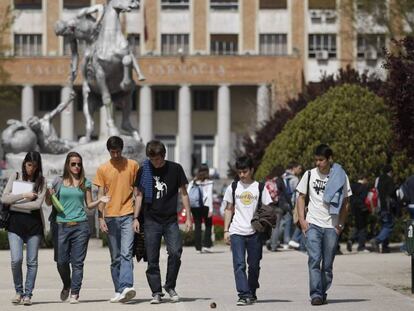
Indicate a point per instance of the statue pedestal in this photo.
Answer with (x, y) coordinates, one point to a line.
(93, 154)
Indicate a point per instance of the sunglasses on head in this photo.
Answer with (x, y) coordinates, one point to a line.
(73, 164)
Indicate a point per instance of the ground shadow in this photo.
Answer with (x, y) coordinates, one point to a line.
(331, 301)
(60, 302)
(166, 300)
(271, 300)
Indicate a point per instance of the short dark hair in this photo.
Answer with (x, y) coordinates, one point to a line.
(155, 148)
(292, 165)
(323, 150)
(244, 162)
(387, 168)
(114, 143)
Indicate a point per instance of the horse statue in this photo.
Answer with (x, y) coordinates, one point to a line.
(107, 66)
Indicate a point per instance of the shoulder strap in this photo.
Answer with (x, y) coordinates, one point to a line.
(261, 187)
(307, 189)
(233, 191)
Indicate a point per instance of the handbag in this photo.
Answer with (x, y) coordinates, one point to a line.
(4, 216)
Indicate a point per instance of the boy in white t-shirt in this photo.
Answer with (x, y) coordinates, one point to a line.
(323, 224)
(239, 232)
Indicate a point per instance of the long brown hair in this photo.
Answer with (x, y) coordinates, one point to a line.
(67, 174)
(202, 173)
(37, 177)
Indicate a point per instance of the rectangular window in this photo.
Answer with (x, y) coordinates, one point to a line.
(27, 45)
(203, 100)
(370, 46)
(322, 46)
(81, 45)
(224, 44)
(134, 43)
(224, 4)
(169, 143)
(76, 4)
(203, 150)
(174, 4)
(322, 4)
(165, 100)
(273, 4)
(49, 99)
(174, 44)
(27, 4)
(273, 44)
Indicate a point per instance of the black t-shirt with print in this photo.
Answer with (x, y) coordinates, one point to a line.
(167, 180)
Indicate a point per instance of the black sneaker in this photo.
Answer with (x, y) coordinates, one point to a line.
(349, 246)
(316, 301)
(64, 294)
(244, 302)
(253, 299)
(374, 245)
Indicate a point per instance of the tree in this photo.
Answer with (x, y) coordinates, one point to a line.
(255, 147)
(352, 120)
(399, 93)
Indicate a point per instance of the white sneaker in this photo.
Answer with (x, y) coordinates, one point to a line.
(156, 299)
(115, 298)
(285, 247)
(294, 244)
(127, 294)
(74, 299)
(199, 252)
(207, 250)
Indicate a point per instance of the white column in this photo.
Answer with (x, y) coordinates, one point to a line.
(27, 102)
(263, 104)
(103, 128)
(185, 147)
(223, 129)
(67, 116)
(145, 113)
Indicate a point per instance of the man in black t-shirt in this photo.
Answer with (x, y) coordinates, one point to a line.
(156, 193)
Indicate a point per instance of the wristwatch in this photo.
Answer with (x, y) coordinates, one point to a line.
(341, 226)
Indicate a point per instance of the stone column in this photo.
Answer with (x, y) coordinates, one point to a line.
(263, 107)
(185, 146)
(27, 102)
(67, 116)
(223, 129)
(145, 113)
(103, 128)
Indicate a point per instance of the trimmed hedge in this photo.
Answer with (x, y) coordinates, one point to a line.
(353, 121)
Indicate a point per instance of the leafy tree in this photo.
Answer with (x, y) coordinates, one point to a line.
(255, 147)
(399, 93)
(352, 120)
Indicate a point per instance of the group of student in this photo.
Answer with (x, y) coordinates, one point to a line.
(132, 199)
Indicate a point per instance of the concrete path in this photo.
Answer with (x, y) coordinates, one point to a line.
(361, 282)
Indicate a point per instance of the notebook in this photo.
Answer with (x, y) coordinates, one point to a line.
(20, 187)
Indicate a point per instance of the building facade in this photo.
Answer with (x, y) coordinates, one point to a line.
(215, 69)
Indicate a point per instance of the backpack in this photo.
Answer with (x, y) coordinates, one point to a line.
(233, 192)
(196, 196)
(271, 186)
(371, 200)
(285, 195)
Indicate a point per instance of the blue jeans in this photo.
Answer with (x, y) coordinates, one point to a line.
(246, 285)
(153, 232)
(287, 224)
(16, 251)
(121, 242)
(321, 244)
(71, 249)
(386, 229)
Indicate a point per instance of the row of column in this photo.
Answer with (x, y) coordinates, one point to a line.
(184, 137)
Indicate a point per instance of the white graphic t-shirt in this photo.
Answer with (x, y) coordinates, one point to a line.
(246, 196)
(318, 213)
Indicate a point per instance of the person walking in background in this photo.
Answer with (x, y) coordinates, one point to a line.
(387, 200)
(242, 202)
(156, 191)
(200, 193)
(25, 224)
(72, 228)
(360, 213)
(326, 188)
(115, 179)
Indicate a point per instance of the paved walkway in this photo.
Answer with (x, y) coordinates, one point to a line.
(361, 282)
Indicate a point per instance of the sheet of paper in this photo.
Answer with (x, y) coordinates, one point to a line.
(20, 187)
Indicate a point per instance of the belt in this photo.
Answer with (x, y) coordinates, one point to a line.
(71, 223)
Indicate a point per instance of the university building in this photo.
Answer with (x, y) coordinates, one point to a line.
(215, 69)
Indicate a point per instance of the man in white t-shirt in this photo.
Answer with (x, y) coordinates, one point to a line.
(239, 232)
(323, 223)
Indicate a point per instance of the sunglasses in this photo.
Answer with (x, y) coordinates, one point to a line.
(73, 164)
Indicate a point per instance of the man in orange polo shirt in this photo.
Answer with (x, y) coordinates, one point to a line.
(115, 179)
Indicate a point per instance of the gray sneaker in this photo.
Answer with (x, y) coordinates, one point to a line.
(156, 299)
(173, 295)
(64, 294)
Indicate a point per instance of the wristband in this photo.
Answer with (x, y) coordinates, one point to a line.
(226, 231)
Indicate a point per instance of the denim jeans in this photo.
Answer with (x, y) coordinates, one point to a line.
(71, 249)
(200, 213)
(246, 285)
(287, 227)
(16, 251)
(121, 242)
(153, 232)
(275, 237)
(321, 244)
(386, 229)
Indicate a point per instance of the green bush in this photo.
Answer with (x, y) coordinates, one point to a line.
(104, 237)
(352, 120)
(4, 241)
(218, 233)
